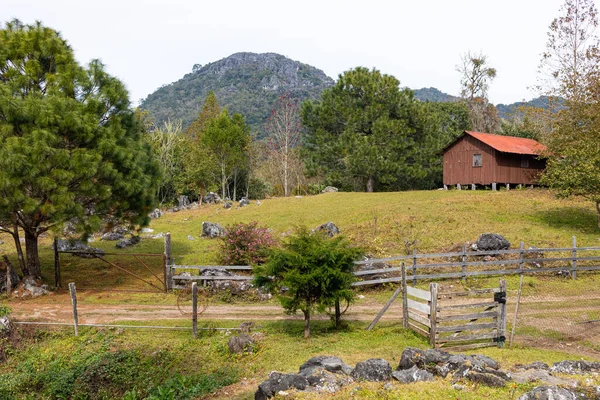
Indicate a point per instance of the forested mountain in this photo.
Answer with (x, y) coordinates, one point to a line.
(245, 83)
(545, 102)
(434, 95)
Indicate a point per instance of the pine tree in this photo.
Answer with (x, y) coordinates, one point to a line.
(210, 110)
(70, 146)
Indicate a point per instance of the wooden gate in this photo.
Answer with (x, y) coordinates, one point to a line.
(459, 319)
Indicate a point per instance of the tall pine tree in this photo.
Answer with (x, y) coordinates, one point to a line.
(70, 147)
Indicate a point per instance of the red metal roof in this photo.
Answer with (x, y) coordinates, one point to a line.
(509, 144)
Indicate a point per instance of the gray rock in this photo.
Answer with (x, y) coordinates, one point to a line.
(244, 202)
(542, 376)
(227, 205)
(328, 228)
(78, 246)
(190, 237)
(120, 229)
(155, 214)
(322, 380)
(121, 244)
(549, 393)
(533, 365)
(246, 327)
(240, 344)
(373, 370)
(212, 230)
(329, 363)
(329, 189)
(184, 202)
(278, 382)
(1, 242)
(490, 241)
(112, 236)
(30, 288)
(5, 325)
(575, 367)
(411, 375)
(211, 198)
(423, 359)
(147, 230)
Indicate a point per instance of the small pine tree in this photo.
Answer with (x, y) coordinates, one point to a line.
(316, 270)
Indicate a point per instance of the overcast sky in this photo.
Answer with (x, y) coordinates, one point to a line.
(150, 43)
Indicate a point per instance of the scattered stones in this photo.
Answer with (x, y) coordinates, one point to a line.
(212, 230)
(328, 228)
(411, 375)
(329, 189)
(542, 376)
(112, 236)
(120, 229)
(121, 244)
(158, 236)
(240, 344)
(258, 203)
(328, 363)
(490, 241)
(533, 365)
(211, 198)
(147, 230)
(1, 242)
(244, 202)
(227, 205)
(5, 326)
(373, 370)
(279, 382)
(372, 266)
(184, 202)
(456, 386)
(246, 327)
(575, 367)
(30, 288)
(190, 237)
(155, 214)
(78, 246)
(549, 393)
(232, 286)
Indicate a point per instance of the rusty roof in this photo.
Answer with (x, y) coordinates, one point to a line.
(509, 144)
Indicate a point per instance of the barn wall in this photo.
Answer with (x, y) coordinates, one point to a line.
(458, 163)
(510, 170)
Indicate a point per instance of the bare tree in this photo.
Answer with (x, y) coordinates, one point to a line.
(283, 129)
(476, 76)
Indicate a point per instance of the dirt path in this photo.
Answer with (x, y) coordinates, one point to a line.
(99, 313)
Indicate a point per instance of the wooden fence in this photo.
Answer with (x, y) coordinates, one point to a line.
(462, 324)
(461, 264)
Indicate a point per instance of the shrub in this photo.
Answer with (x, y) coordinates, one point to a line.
(245, 244)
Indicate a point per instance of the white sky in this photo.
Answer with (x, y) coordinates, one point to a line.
(150, 43)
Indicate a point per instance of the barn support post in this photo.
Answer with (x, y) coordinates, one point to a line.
(574, 262)
(494, 186)
(458, 186)
(433, 288)
(73, 293)
(445, 187)
(508, 186)
(473, 186)
(520, 186)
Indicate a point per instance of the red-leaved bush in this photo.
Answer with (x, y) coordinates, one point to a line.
(245, 244)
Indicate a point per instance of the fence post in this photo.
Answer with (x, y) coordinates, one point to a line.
(74, 303)
(521, 247)
(414, 267)
(433, 289)
(574, 266)
(404, 299)
(57, 282)
(9, 282)
(501, 299)
(195, 309)
(514, 325)
(167, 261)
(464, 266)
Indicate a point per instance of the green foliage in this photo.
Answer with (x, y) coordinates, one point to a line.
(367, 134)
(210, 110)
(70, 147)
(245, 244)
(315, 270)
(244, 83)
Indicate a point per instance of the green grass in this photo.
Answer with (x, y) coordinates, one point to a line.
(107, 363)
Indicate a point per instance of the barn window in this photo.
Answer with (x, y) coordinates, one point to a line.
(524, 162)
(477, 160)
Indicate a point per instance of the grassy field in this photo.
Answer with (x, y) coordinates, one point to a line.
(162, 364)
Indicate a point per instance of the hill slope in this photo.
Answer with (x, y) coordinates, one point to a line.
(246, 83)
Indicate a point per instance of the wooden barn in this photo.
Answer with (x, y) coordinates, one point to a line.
(485, 159)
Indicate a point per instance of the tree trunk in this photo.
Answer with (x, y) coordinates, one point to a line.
(285, 176)
(235, 185)
(306, 323)
(371, 184)
(338, 315)
(31, 248)
(19, 248)
(223, 182)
